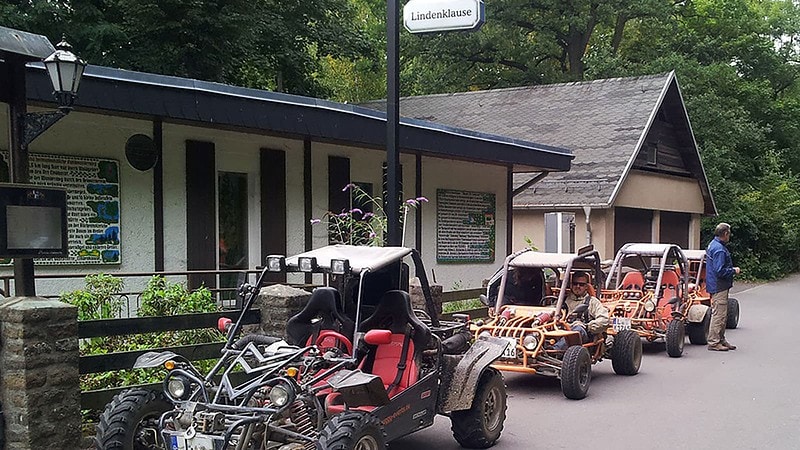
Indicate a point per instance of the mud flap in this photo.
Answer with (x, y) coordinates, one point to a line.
(461, 374)
(696, 313)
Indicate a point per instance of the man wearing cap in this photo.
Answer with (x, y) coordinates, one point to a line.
(719, 280)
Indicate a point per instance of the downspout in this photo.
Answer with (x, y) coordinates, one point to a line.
(587, 211)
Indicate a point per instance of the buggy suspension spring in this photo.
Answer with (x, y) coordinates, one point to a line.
(303, 423)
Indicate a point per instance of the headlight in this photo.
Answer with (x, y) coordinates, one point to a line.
(279, 395)
(307, 264)
(276, 263)
(340, 266)
(530, 342)
(176, 388)
(649, 306)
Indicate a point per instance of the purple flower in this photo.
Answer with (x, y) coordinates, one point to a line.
(349, 186)
(356, 210)
(422, 199)
(368, 215)
(315, 221)
(411, 202)
(344, 214)
(372, 235)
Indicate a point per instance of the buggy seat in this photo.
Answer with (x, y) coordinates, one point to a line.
(320, 313)
(670, 288)
(633, 280)
(396, 362)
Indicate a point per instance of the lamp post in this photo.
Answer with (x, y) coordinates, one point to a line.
(65, 70)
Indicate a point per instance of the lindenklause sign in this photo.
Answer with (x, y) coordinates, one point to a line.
(427, 16)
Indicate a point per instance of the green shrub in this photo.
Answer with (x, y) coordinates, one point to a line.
(100, 300)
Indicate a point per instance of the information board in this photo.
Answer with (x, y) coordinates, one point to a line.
(465, 226)
(93, 213)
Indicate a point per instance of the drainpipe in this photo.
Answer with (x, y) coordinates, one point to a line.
(587, 211)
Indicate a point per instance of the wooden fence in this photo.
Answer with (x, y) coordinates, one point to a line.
(97, 399)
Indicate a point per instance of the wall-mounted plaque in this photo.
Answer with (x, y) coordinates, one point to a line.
(465, 228)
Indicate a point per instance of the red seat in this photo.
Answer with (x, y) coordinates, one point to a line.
(670, 288)
(392, 326)
(632, 281)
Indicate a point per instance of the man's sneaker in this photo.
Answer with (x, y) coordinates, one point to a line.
(729, 345)
(718, 348)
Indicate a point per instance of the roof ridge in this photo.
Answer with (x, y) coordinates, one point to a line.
(664, 75)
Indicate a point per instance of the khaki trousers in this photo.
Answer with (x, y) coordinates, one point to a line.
(719, 318)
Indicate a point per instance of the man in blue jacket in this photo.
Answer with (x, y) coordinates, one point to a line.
(719, 280)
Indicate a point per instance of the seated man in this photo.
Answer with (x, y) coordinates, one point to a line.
(594, 320)
(525, 286)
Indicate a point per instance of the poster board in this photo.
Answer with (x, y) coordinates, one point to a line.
(93, 204)
(465, 226)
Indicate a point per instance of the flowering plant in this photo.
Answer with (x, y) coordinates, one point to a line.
(357, 227)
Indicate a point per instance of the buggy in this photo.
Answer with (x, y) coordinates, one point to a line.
(359, 368)
(647, 291)
(697, 287)
(534, 329)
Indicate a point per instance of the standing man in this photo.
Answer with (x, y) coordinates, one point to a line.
(719, 280)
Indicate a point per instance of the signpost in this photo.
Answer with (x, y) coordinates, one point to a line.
(420, 16)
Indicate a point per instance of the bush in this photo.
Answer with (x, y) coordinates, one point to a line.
(100, 300)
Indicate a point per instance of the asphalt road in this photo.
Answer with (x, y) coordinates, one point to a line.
(743, 399)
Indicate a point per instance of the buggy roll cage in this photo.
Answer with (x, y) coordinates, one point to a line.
(566, 261)
(665, 253)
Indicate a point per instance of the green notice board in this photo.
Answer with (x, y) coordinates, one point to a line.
(465, 226)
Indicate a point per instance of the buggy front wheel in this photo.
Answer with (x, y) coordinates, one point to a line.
(130, 421)
(626, 354)
(676, 337)
(576, 372)
(352, 430)
(481, 425)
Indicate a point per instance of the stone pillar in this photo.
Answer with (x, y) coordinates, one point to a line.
(278, 303)
(418, 297)
(39, 387)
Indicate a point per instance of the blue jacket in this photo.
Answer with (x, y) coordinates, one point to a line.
(719, 267)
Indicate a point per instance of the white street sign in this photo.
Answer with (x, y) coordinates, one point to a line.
(426, 16)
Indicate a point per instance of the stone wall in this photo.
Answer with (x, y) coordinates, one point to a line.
(39, 387)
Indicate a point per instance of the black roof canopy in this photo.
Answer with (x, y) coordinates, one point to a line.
(174, 99)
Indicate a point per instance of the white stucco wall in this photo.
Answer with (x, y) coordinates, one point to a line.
(96, 135)
(460, 175)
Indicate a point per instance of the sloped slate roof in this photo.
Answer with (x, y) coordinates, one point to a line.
(601, 121)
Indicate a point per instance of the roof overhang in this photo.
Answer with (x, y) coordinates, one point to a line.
(122, 92)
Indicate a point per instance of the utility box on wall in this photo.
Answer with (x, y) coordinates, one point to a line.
(559, 232)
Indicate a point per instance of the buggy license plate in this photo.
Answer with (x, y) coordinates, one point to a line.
(510, 352)
(621, 323)
(194, 443)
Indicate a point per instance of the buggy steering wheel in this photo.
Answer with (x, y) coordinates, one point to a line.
(549, 300)
(332, 339)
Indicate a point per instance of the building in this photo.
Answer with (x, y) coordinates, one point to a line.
(637, 175)
(172, 174)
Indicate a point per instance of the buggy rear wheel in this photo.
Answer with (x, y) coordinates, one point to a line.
(676, 337)
(130, 421)
(480, 426)
(576, 372)
(626, 354)
(698, 331)
(732, 321)
(352, 430)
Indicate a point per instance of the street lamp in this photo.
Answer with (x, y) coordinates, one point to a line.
(65, 70)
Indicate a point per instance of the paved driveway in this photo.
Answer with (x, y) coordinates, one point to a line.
(745, 399)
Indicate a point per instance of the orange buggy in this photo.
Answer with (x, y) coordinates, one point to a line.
(697, 287)
(652, 298)
(533, 330)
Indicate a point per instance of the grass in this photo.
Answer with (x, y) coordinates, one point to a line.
(461, 305)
